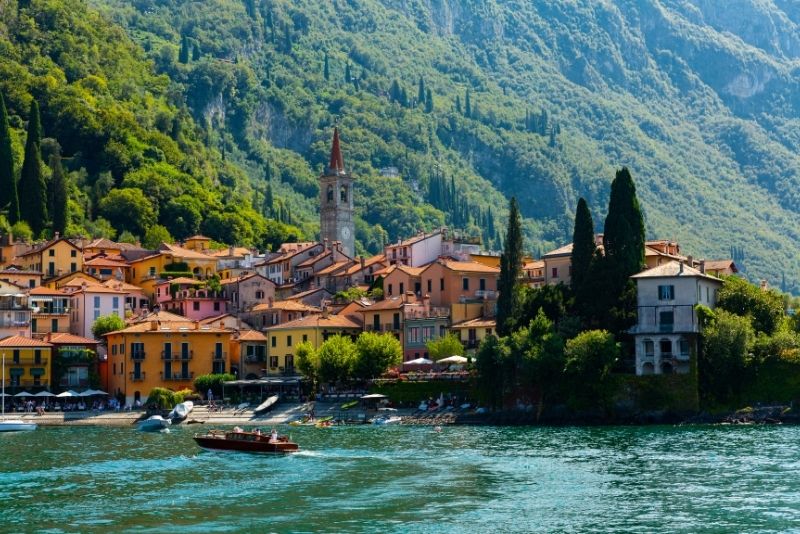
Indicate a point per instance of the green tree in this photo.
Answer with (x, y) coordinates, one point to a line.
(337, 355)
(623, 237)
(428, 101)
(467, 104)
(583, 245)
(444, 347)
(307, 361)
(510, 271)
(183, 55)
(155, 235)
(59, 208)
(127, 237)
(489, 363)
(214, 382)
(766, 308)
(723, 362)
(8, 182)
(589, 359)
(195, 55)
(22, 231)
(375, 353)
(326, 69)
(421, 92)
(128, 209)
(32, 185)
(105, 324)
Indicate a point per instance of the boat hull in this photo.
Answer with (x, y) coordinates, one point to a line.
(266, 405)
(154, 424)
(16, 426)
(221, 442)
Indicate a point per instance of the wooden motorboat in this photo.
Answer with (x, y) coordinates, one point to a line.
(244, 441)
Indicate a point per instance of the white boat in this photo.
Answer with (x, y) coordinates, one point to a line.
(387, 420)
(11, 425)
(154, 423)
(181, 411)
(266, 405)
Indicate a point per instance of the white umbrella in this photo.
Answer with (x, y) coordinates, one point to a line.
(23, 394)
(92, 392)
(453, 359)
(68, 393)
(419, 361)
(373, 396)
(44, 394)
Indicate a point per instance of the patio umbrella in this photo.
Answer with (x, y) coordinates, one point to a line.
(23, 394)
(44, 394)
(373, 396)
(68, 393)
(453, 359)
(90, 393)
(419, 361)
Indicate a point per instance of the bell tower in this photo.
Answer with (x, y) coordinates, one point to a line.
(336, 201)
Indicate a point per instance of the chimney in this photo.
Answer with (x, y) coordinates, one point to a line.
(153, 325)
(56, 235)
(230, 250)
(363, 262)
(703, 266)
(411, 298)
(325, 243)
(690, 261)
(324, 311)
(197, 325)
(680, 268)
(764, 285)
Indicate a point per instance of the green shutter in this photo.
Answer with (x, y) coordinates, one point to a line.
(37, 371)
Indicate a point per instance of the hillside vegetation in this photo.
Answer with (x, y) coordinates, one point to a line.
(469, 101)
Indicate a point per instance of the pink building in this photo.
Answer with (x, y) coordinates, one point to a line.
(189, 298)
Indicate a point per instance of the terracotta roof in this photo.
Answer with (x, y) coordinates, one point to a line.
(250, 335)
(124, 285)
(20, 341)
(235, 279)
(180, 280)
(334, 267)
(411, 271)
(180, 252)
(295, 247)
(69, 339)
(415, 239)
(380, 258)
(44, 246)
(185, 326)
(566, 250)
(313, 259)
(304, 294)
(721, 265)
(648, 251)
(41, 290)
(226, 252)
(284, 305)
(673, 269)
(103, 242)
(318, 321)
(289, 254)
(480, 322)
(536, 264)
(391, 303)
(197, 237)
(103, 261)
(99, 288)
(467, 266)
(209, 320)
(161, 316)
(18, 270)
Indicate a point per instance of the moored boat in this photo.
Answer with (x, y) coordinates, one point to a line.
(244, 441)
(181, 411)
(154, 423)
(266, 405)
(16, 425)
(387, 420)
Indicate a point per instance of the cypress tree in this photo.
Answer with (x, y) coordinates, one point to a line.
(458, 104)
(269, 201)
(467, 105)
(183, 55)
(58, 186)
(287, 39)
(623, 233)
(195, 52)
(510, 271)
(8, 182)
(583, 246)
(32, 187)
(347, 76)
(326, 72)
(421, 92)
(428, 101)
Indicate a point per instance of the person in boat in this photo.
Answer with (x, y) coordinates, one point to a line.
(237, 429)
(273, 435)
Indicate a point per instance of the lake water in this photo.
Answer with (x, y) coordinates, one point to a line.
(407, 479)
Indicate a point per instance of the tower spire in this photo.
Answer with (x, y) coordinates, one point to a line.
(337, 162)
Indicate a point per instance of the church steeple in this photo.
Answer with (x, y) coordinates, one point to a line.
(336, 165)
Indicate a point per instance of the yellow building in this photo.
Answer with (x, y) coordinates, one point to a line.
(164, 350)
(249, 353)
(21, 277)
(50, 311)
(283, 339)
(472, 332)
(146, 271)
(54, 258)
(28, 363)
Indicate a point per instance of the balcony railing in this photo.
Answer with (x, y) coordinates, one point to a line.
(29, 382)
(485, 294)
(137, 377)
(138, 355)
(178, 376)
(177, 356)
(431, 313)
(219, 355)
(27, 361)
(470, 343)
(658, 319)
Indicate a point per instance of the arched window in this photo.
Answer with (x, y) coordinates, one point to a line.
(343, 194)
(330, 193)
(647, 368)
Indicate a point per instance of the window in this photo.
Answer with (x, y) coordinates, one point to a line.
(115, 303)
(274, 341)
(482, 284)
(376, 322)
(666, 292)
(665, 347)
(330, 193)
(96, 314)
(73, 267)
(51, 252)
(288, 341)
(396, 321)
(683, 347)
(305, 338)
(390, 289)
(37, 356)
(259, 294)
(54, 325)
(429, 286)
(73, 253)
(465, 284)
(152, 271)
(343, 194)
(555, 272)
(402, 289)
(97, 302)
(417, 288)
(441, 284)
(649, 348)
(708, 294)
(666, 321)
(196, 306)
(273, 361)
(413, 334)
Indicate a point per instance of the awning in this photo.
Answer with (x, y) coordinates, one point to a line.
(37, 371)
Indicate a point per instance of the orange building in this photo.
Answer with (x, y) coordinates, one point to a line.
(448, 282)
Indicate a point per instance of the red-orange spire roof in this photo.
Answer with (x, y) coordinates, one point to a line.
(337, 162)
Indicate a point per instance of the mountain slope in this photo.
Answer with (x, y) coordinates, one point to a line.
(700, 99)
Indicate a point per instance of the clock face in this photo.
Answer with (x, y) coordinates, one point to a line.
(345, 233)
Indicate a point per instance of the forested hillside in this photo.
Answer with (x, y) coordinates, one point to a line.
(448, 107)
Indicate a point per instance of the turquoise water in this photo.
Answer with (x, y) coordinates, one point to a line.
(407, 479)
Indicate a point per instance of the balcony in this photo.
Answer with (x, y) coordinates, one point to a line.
(137, 377)
(178, 377)
(177, 356)
(219, 355)
(666, 319)
(470, 343)
(138, 356)
(29, 382)
(431, 313)
(252, 358)
(485, 294)
(26, 361)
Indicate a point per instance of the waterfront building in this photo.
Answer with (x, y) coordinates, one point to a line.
(283, 339)
(15, 312)
(77, 359)
(533, 273)
(263, 316)
(28, 363)
(50, 311)
(168, 260)
(164, 350)
(249, 353)
(416, 251)
(422, 323)
(90, 302)
(667, 326)
(472, 331)
(448, 281)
